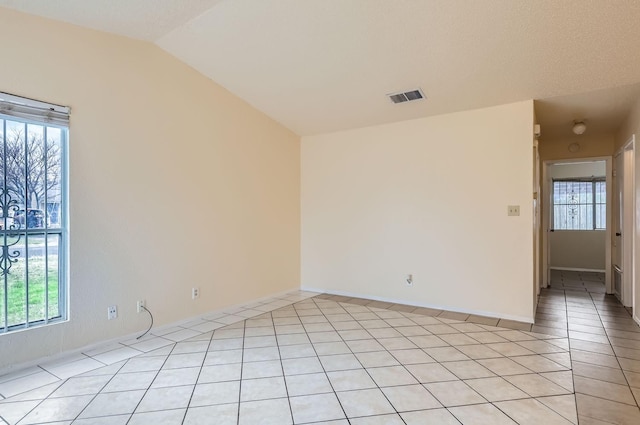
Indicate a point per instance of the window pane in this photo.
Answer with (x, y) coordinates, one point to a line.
(601, 216)
(601, 205)
(575, 205)
(601, 192)
(54, 181)
(31, 224)
(2, 304)
(53, 276)
(16, 288)
(14, 157)
(36, 277)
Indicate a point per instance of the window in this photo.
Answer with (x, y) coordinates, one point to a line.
(33, 228)
(579, 204)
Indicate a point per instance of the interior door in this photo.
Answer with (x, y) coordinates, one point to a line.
(618, 210)
(627, 227)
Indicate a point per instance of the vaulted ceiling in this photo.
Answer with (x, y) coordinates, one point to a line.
(319, 66)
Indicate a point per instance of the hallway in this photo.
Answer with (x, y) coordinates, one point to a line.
(604, 344)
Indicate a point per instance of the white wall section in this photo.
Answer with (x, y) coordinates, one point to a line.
(629, 128)
(577, 249)
(174, 183)
(426, 197)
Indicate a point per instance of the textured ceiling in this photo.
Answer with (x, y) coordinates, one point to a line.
(324, 65)
(141, 19)
(601, 110)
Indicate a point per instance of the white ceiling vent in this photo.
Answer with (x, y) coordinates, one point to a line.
(406, 96)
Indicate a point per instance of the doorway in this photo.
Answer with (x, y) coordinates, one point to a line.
(577, 203)
(624, 223)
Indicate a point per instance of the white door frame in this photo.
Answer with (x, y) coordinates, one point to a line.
(628, 223)
(546, 212)
(537, 279)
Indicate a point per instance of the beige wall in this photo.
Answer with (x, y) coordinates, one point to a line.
(426, 197)
(590, 147)
(578, 169)
(629, 128)
(576, 249)
(174, 183)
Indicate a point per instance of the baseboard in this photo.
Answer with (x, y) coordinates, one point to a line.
(578, 269)
(426, 305)
(76, 351)
(224, 310)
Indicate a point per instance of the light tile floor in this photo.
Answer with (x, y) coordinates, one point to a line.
(330, 360)
(604, 345)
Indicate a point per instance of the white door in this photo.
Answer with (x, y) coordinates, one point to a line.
(537, 283)
(628, 227)
(624, 226)
(618, 203)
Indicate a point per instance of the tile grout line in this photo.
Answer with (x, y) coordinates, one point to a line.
(282, 298)
(597, 312)
(92, 399)
(471, 359)
(284, 378)
(145, 391)
(531, 371)
(244, 333)
(614, 352)
(573, 377)
(195, 385)
(324, 370)
(333, 325)
(401, 364)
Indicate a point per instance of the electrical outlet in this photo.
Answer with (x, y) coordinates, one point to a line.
(112, 312)
(139, 305)
(195, 293)
(409, 280)
(513, 210)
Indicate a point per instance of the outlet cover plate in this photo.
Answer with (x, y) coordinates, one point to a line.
(112, 312)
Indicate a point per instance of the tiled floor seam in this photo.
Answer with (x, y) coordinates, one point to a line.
(284, 378)
(153, 334)
(62, 381)
(408, 371)
(566, 303)
(324, 369)
(99, 392)
(204, 359)
(244, 332)
(573, 376)
(597, 307)
(614, 352)
(352, 350)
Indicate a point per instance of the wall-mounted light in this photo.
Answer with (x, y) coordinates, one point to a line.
(579, 127)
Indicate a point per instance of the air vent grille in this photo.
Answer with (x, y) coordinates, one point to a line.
(406, 96)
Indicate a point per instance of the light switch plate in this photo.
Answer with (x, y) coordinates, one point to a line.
(513, 210)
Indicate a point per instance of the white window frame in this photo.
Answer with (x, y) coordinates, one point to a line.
(28, 111)
(593, 204)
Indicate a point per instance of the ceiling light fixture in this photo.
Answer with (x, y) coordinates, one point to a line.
(579, 127)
